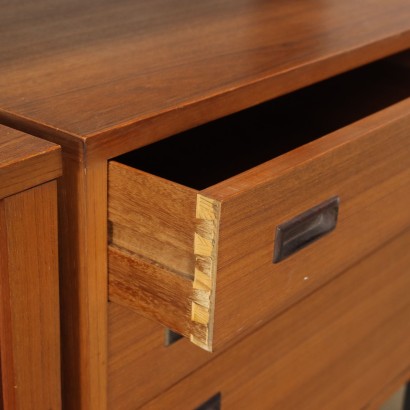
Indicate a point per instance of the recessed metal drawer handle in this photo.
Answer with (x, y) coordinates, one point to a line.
(214, 403)
(170, 337)
(305, 228)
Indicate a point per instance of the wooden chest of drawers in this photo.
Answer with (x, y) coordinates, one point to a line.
(236, 171)
(29, 301)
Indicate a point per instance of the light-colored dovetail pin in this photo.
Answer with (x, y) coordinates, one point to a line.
(206, 251)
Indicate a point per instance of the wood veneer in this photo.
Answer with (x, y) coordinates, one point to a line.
(26, 161)
(29, 292)
(127, 73)
(134, 343)
(102, 79)
(332, 350)
(30, 336)
(164, 236)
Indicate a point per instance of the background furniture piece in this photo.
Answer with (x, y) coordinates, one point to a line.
(29, 311)
(407, 397)
(104, 79)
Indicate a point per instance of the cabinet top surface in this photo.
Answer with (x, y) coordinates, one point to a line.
(26, 161)
(141, 70)
(17, 147)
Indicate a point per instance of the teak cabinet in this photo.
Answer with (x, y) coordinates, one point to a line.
(29, 309)
(236, 171)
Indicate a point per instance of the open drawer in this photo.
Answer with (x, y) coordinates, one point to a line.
(214, 231)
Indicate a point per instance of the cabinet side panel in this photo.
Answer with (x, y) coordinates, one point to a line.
(6, 341)
(30, 289)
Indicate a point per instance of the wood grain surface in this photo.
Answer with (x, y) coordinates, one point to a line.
(366, 164)
(152, 217)
(384, 395)
(138, 343)
(129, 73)
(162, 253)
(146, 287)
(333, 350)
(83, 282)
(1, 386)
(30, 322)
(26, 161)
(140, 366)
(104, 78)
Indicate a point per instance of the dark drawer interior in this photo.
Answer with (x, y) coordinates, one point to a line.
(215, 151)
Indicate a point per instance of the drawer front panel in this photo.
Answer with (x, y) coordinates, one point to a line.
(335, 349)
(229, 281)
(366, 165)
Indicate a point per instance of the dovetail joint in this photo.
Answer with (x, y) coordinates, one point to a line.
(205, 249)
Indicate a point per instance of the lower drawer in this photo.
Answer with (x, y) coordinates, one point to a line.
(335, 349)
(140, 366)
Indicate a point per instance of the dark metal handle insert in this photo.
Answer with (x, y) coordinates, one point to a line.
(305, 228)
(171, 337)
(214, 403)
